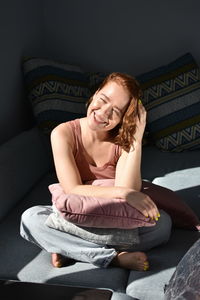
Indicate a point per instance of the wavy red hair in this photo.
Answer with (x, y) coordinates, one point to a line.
(123, 133)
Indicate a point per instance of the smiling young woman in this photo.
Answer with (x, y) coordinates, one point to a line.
(106, 144)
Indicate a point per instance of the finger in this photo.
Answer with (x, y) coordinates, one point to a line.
(151, 209)
(139, 101)
(146, 210)
(153, 215)
(142, 113)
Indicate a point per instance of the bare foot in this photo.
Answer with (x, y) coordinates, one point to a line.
(131, 260)
(59, 260)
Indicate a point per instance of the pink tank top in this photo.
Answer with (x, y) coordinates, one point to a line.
(88, 171)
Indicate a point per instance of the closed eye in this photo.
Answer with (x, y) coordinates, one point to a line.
(116, 111)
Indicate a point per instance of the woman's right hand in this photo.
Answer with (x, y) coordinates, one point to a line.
(143, 203)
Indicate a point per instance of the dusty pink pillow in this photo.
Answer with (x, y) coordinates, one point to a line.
(97, 212)
(181, 214)
(116, 213)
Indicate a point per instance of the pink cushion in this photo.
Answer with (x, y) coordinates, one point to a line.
(181, 214)
(116, 213)
(97, 212)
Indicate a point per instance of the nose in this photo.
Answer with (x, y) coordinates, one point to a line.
(107, 109)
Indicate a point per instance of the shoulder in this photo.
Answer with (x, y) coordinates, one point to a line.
(62, 133)
(60, 130)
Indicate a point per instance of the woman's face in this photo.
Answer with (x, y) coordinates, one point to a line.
(107, 107)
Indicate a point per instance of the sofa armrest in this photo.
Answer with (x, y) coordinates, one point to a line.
(23, 161)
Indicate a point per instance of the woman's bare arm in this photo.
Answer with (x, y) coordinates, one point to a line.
(66, 169)
(128, 171)
(70, 180)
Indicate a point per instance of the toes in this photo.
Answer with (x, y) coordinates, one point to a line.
(56, 260)
(143, 263)
(146, 266)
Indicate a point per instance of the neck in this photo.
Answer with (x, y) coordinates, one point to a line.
(95, 135)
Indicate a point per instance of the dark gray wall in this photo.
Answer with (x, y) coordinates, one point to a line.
(100, 35)
(21, 33)
(123, 35)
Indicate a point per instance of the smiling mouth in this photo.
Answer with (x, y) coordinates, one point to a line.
(99, 121)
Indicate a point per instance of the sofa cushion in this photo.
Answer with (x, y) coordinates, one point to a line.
(95, 79)
(180, 212)
(186, 183)
(23, 161)
(171, 95)
(57, 91)
(163, 261)
(158, 163)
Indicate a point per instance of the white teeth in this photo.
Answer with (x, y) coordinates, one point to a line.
(104, 123)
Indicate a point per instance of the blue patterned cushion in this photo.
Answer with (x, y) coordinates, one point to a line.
(172, 99)
(58, 92)
(95, 79)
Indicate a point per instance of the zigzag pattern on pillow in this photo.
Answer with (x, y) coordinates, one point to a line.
(57, 91)
(188, 138)
(171, 96)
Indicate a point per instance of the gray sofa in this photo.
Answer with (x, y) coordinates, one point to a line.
(26, 171)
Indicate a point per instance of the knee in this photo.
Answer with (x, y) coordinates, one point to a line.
(28, 214)
(29, 220)
(164, 226)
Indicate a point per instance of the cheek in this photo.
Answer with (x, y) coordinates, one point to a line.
(93, 105)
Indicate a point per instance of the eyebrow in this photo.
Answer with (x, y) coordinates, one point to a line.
(110, 100)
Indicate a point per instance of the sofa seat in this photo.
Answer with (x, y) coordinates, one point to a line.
(24, 261)
(163, 259)
(26, 173)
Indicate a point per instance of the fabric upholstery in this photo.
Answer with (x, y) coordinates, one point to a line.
(186, 184)
(25, 261)
(18, 156)
(163, 261)
(181, 214)
(57, 91)
(101, 236)
(95, 79)
(97, 212)
(171, 96)
(115, 213)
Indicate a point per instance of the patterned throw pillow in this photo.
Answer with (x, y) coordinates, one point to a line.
(58, 92)
(171, 95)
(95, 79)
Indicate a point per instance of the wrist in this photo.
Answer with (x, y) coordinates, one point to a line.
(125, 193)
(137, 145)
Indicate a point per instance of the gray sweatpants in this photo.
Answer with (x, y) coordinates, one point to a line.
(33, 229)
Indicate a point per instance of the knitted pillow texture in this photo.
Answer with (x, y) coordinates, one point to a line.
(100, 236)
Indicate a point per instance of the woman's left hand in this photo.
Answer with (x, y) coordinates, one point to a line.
(140, 123)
